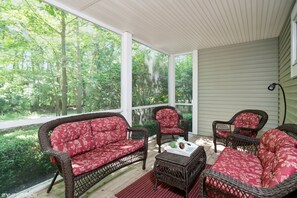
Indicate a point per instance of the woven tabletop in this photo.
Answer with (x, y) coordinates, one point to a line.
(178, 159)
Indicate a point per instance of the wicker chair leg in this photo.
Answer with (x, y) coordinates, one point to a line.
(215, 144)
(53, 182)
(159, 136)
(143, 165)
(159, 151)
(186, 136)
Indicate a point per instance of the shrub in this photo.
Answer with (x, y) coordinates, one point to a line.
(150, 126)
(21, 160)
(188, 117)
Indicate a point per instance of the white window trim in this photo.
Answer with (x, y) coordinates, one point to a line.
(294, 42)
(195, 100)
(126, 76)
(171, 81)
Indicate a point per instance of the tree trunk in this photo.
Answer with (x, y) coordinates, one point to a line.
(57, 106)
(57, 99)
(64, 62)
(79, 75)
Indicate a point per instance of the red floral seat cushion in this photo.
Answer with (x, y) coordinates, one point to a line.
(74, 138)
(238, 165)
(278, 156)
(100, 156)
(173, 130)
(224, 133)
(276, 161)
(167, 118)
(247, 120)
(108, 130)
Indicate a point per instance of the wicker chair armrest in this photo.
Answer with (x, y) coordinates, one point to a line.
(214, 123)
(238, 129)
(138, 130)
(279, 190)
(63, 158)
(235, 139)
(183, 124)
(65, 168)
(157, 125)
(248, 144)
(217, 122)
(139, 133)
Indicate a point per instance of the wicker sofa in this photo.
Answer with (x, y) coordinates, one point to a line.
(250, 167)
(88, 147)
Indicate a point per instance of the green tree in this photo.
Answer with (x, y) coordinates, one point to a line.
(183, 79)
(150, 80)
(59, 61)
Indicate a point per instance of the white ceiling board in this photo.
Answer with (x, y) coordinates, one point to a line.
(175, 26)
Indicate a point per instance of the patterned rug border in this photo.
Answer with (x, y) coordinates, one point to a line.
(147, 182)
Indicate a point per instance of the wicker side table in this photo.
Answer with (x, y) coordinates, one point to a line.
(179, 171)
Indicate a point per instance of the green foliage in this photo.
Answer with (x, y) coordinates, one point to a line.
(188, 117)
(21, 160)
(31, 80)
(150, 125)
(150, 76)
(14, 115)
(31, 60)
(183, 76)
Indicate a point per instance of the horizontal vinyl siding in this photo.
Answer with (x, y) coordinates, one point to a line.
(236, 77)
(289, 84)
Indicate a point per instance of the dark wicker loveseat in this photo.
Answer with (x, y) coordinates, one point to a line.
(88, 147)
(250, 167)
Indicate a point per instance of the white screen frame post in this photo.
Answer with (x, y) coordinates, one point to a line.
(294, 42)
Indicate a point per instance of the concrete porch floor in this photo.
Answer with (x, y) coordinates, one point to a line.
(120, 179)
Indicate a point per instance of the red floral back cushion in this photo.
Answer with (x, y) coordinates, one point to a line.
(167, 118)
(108, 130)
(74, 138)
(247, 120)
(278, 156)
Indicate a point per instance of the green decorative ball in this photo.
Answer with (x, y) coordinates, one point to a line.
(172, 144)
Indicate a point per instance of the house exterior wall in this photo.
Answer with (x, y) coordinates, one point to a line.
(289, 84)
(236, 77)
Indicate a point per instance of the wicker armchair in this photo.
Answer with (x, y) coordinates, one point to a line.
(276, 152)
(169, 122)
(247, 122)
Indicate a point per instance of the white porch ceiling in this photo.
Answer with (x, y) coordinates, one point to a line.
(180, 26)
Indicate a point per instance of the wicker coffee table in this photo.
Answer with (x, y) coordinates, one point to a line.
(179, 171)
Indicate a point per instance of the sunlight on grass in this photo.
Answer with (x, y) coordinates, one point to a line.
(13, 116)
(26, 136)
(29, 132)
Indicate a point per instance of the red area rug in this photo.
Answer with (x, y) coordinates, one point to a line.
(144, 188)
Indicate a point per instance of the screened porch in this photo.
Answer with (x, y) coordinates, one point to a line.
(209, 59)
